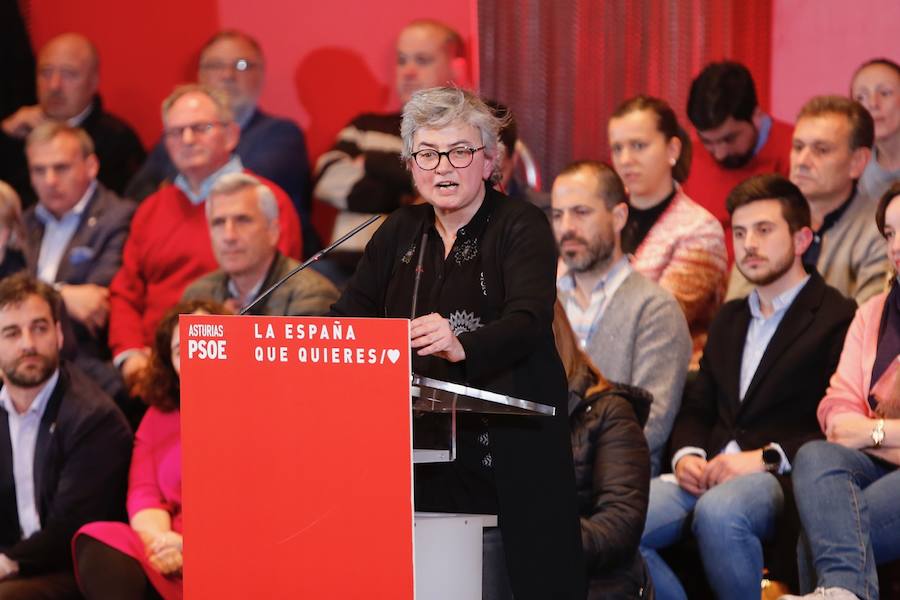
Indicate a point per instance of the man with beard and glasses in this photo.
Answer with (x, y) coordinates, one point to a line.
(831, 146)
(612, 306)
(736, 138)
(64, 447)
(764, 369)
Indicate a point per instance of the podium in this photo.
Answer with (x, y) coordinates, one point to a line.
(296, 458)
(297, 462)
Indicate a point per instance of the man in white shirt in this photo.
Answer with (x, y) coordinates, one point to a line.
(64, 447)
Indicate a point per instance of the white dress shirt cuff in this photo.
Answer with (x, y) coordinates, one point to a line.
(687, 450)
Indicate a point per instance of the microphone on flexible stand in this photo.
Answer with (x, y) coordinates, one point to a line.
(310, 261)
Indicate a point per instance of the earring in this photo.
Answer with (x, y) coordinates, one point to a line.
(672, 162)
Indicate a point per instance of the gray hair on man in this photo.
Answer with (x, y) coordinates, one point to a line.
(223, 104)
(47, 132)
(231, 183)
(442, 106)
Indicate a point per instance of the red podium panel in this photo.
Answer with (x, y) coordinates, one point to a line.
(296, 441)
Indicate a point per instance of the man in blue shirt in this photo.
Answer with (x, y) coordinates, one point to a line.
(765, 367)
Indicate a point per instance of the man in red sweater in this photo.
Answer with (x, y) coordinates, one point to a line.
(735, 138)
(169, 245)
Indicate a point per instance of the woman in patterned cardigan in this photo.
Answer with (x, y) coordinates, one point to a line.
(674, 241)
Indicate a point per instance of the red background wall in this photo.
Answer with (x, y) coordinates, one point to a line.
(327, 61)
(817, 44)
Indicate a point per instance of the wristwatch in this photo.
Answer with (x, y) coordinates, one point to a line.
(771, 458)
(878, 434)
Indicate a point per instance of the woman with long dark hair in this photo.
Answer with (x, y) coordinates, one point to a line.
(612, 470)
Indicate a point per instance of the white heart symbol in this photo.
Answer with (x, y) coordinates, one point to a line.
(393, 355)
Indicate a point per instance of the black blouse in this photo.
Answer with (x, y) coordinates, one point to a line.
(496, 287)
(640, 222)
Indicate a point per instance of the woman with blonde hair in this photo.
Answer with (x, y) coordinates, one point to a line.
(12, 232)
(612, 470)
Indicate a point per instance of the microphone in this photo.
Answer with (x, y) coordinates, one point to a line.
(308, 262)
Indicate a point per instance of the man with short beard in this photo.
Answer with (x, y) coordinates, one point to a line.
(632, 329)
(735, 138)
(764, 369)
(64, 447)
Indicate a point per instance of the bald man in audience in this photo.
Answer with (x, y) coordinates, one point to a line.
(68, 76)
(169, 245)
(362, 173)
(233, 63)
(242, 214)
(831, 145)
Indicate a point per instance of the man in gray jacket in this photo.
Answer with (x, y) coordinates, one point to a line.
(242, 214)
(831, 145)
(632, 329)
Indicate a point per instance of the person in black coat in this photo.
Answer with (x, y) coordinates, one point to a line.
(612, 470)
(64, 447)
(476, 272)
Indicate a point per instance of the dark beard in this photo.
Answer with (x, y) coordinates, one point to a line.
(736, 161)
(598, 253)
(34, 378)
(778, 269)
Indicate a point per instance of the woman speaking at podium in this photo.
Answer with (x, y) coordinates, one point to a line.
(475, 271)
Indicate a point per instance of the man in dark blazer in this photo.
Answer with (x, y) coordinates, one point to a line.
(68, 77)
(764, 369)
(64, 447)
(77, 230)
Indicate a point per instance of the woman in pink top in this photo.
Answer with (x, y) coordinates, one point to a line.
(674, 241)
(847, 487)
(117, 560)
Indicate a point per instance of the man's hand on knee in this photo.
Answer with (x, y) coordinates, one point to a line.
(689, 472)
(728, 466)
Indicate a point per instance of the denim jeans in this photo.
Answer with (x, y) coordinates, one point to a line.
(850, 510)
(730, 520)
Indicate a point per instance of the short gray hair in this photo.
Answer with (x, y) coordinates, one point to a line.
(442, 106)
(231, 183)
(220, 99)
(47, 132)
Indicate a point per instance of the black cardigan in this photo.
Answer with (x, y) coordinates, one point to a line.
(512, 353)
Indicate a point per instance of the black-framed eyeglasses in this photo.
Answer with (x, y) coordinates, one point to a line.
(177, 133)
(459, 157)
(240, 65)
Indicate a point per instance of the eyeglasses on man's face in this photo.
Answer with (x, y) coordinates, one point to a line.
(220, 66)
(459, 157)
(197, 129)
